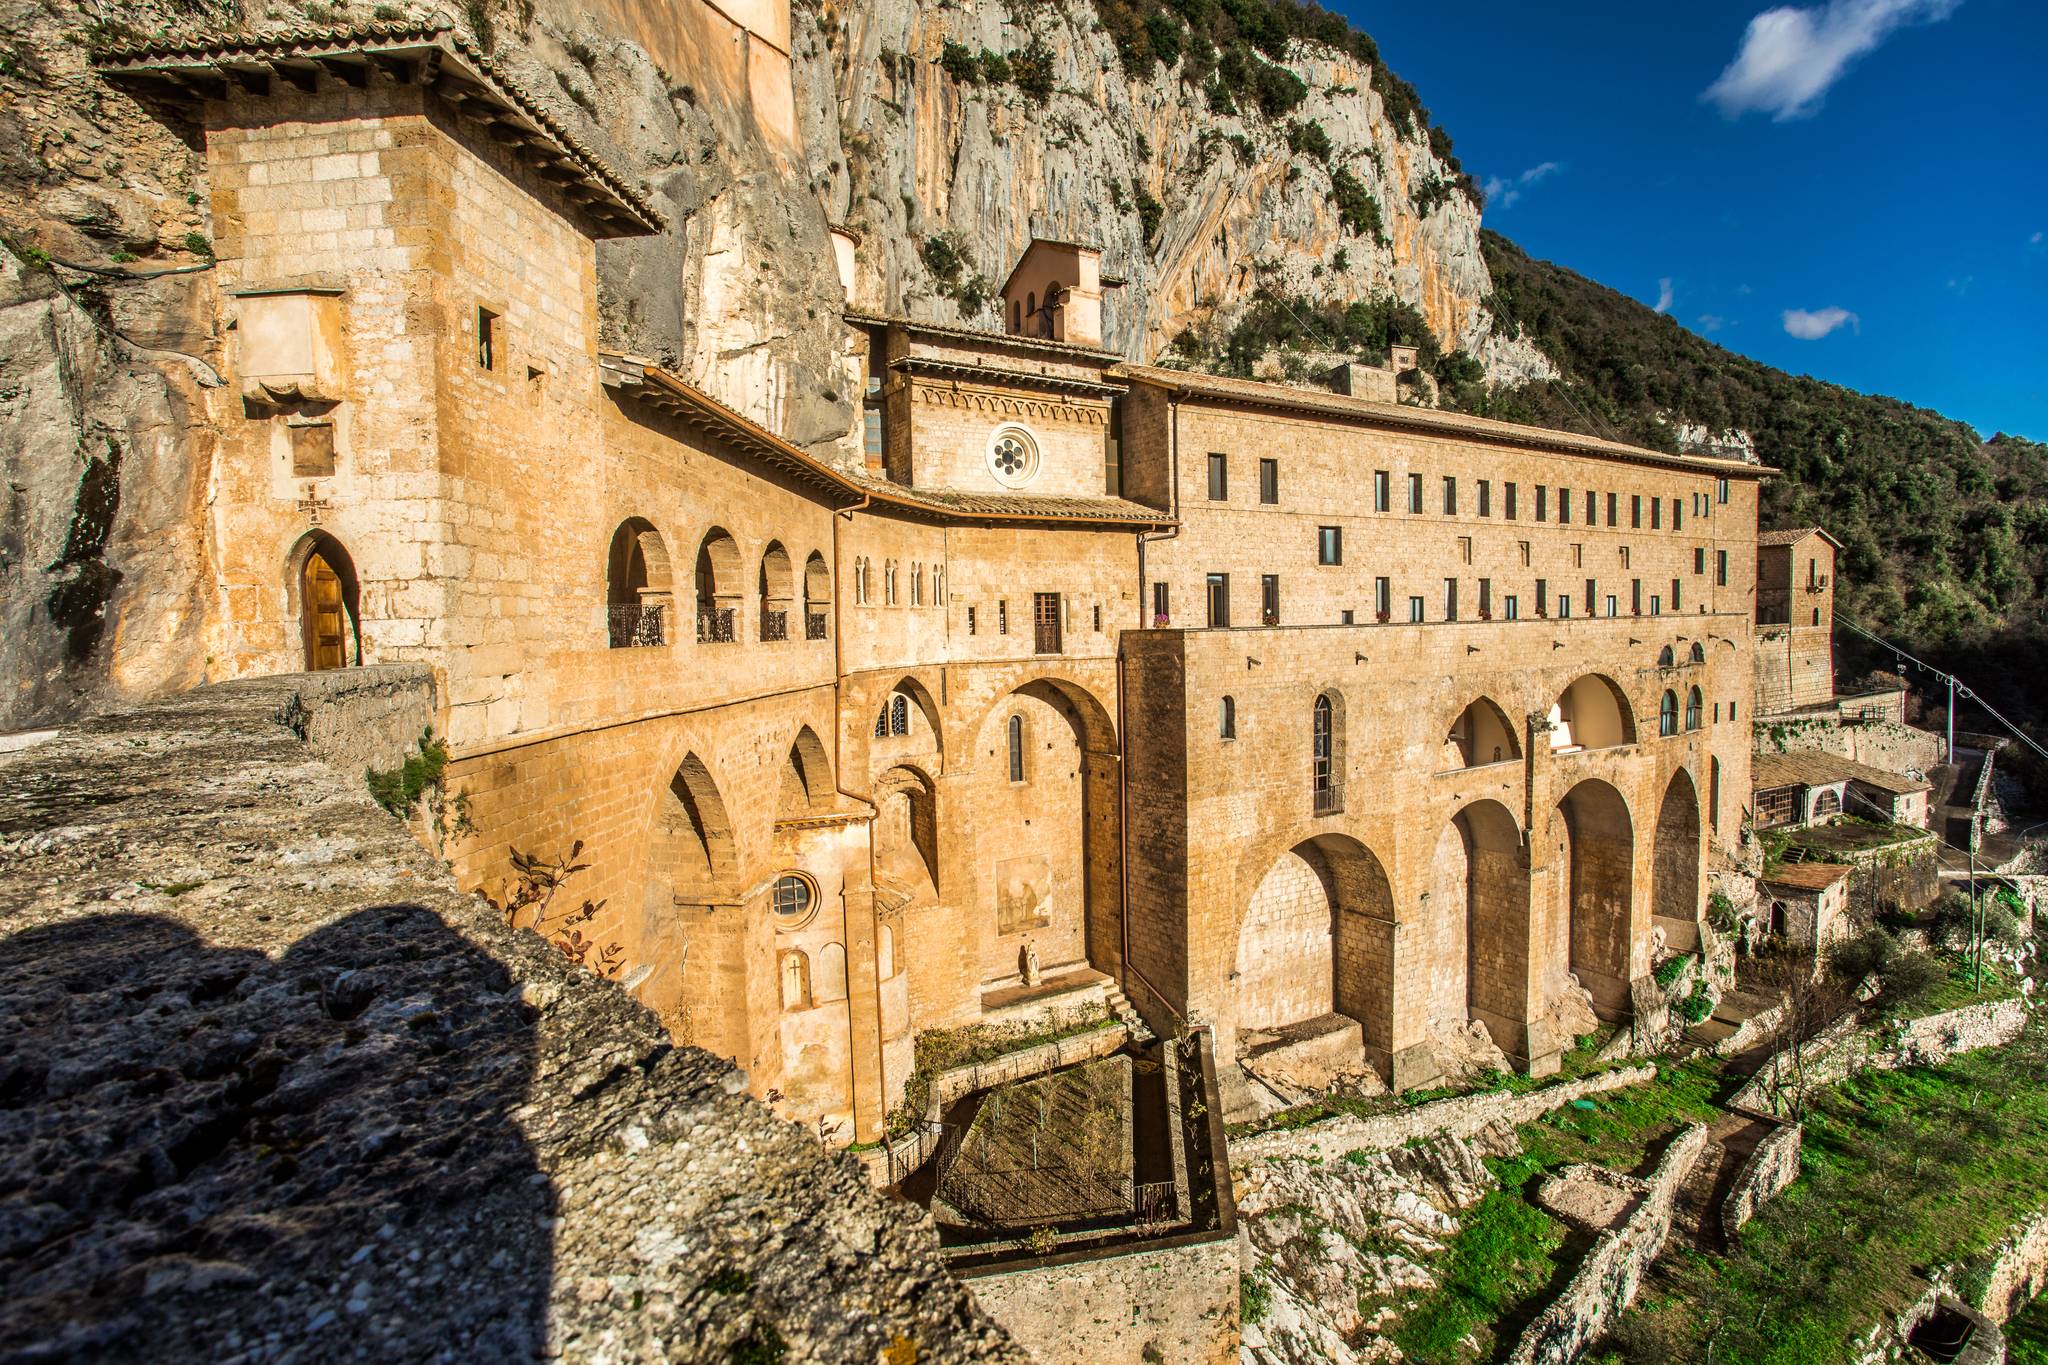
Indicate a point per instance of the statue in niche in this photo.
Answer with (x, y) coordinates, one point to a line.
(1029, 963)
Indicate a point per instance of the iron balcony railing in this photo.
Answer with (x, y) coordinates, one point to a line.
(814, 625)
(774, 625)
(1329, 798)
(715, 627)
(634, 626)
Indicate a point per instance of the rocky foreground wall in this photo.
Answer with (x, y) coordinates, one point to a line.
(270, 1085)
(1844, 1050)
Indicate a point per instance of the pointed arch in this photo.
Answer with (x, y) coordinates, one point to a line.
(1599, 875)
(322, 583)
(777, 587)
(1481, 735)
(806, 777)
(908, 718)
(817, 597)
(906, 833)
(639, 585)
(1675, 867)
(1592, 713)
(693, 843)
(718, 586)
(1315, 939)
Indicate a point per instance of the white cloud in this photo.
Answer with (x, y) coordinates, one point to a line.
(1501, 193)
(1812, 326)
(1663, 304)
(2034, 240)
(1712, 322)
(1789, 57)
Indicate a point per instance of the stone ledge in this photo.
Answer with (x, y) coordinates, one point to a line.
(279, 1087)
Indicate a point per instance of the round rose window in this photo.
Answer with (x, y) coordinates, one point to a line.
(1013, 457)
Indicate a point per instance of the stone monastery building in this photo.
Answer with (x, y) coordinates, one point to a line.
(1306, 717)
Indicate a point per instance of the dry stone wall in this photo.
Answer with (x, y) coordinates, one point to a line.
(276, 1087)
(1843, 1051)
(1772, 1165)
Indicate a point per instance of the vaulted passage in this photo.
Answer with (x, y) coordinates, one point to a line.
(1675, 883)
(1600, 882)
(1593, 713)
(1316, 940)
(1474, 931)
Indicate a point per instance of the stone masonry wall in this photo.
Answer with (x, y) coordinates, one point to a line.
(1772, 1165)
(277, 1086)
(1123, 1310)
(1927, 1041)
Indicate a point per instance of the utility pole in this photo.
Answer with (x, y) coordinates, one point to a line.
(1951, 755)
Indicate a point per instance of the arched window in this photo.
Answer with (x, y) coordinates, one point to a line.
(939, 585)
(1699, 652)
(1665, 658)
(637, 588)
(860, 580)
(888, 582)
(917, 585)
(1667, 714)
(1325, 751)
(778, 589)
(718, 587)
(899, 714)
(828, 980)
(1692, 709)
(1714, 792)
(1015, 731)
(1826, 803)
(796, 980)
(817, 597)
(885, 953)
(1227, 723)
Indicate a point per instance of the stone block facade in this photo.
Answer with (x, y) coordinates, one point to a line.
(815, 754)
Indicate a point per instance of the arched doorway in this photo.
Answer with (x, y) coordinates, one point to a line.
(330, 630)
(1675, 879)
(1316, 939)
(1599, 879)
(1476, 927)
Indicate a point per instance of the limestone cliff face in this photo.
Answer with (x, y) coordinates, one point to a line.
(902, 152)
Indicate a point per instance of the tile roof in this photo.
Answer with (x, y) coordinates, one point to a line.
(1770, 771)
(479, 87)
(1807, 876)
(1793, 535)
(1070, 349)
(1318, 403)
(695, 408)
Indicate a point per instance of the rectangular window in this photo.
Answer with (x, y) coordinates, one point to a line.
(1382, 494)
(1624, 556)
(970, 620)
(1523, 545)
(1382, 597)
(1346, 617)
(1635, 596)
(1464, 549)
(1269, 599)
(1542, 597)
(1486, 497)
(1486, 599)
(871, 435)
(1098, 618)
(1162, 613)
(1329, 545)
(1269, 482)
(1219, 479)
(1656, 605)
(1677, 602)
(1542, 503)
(1592, 508)
(1415, 615)
(1592, 596)
(486, 339)
(1656, 514)
(1721, 490)
(1613, 501)
(1414, 492)
(1731, 711)
(312, 449)
(1720, 568)
(1508, 492)
(1112, 452)
(1450, 496)
(1613, 603)
(1564, 506)
(1699, 559)
(1677, 515)
(1635, 511)
(1219, 599)
(1578, 555)
(1511, 607)
(1003, 618)
(1450, 599)
(1564, 605)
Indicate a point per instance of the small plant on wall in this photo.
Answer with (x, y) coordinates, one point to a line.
(528, 903)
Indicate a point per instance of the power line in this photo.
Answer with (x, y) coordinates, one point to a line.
(1960, 688)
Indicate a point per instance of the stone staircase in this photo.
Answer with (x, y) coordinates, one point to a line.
(1127, 1014)
(1696, 1213)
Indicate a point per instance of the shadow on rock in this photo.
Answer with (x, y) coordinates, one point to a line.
(208, 1154)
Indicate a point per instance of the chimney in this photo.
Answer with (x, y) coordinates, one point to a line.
(1055, 293)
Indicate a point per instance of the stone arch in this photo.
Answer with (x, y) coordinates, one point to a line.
(1316, 939)
(777, 585)
(1599, 884)
(1699, 652)
(1825, 802)
(906, 832)
(718, 585)
(828, 974)
(693, 835)
(817, 597)
(909, 699)
(639, 585)
(1476, 926)
(1051, 877)
(1481, 735)
(327, 597)
(1665, 658)
(1592, 713)
(806, 777)
(1675, 867)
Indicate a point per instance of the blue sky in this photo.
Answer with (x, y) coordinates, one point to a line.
(1852, 189)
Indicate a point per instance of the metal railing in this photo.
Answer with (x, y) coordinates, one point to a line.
(814, 625)
(774, 625)
(634, 626)
(1329, 798)
(715, 626)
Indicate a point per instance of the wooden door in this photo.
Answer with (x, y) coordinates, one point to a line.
(1045, 619)
(325, 616)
